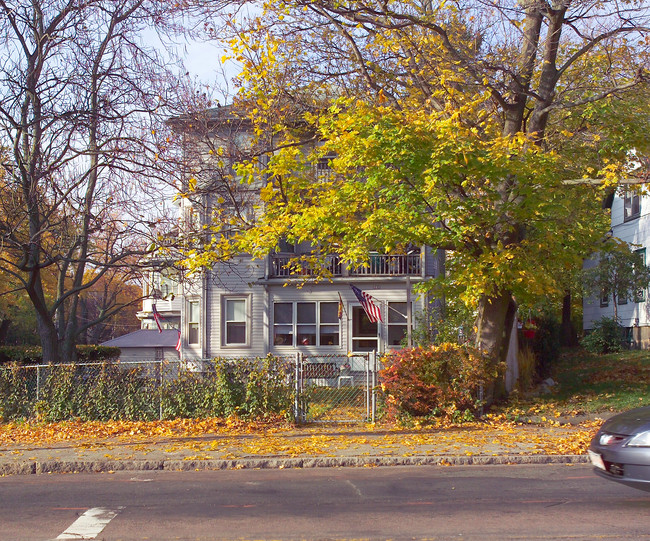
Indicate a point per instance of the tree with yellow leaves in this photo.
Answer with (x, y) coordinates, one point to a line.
(451, 124)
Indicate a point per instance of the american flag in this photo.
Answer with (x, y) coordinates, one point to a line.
(157, 317)
(179, 344)
(368, 303)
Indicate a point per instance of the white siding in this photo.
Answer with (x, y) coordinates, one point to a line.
(636, 232)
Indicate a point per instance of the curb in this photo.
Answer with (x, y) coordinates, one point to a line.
(109, 466)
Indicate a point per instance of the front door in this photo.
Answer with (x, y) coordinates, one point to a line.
(365, 334)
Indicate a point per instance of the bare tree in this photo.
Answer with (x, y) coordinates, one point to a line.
(81, 98)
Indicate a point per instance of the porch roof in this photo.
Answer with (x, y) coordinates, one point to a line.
(145, 338)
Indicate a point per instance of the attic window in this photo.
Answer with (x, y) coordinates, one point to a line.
(631, 206)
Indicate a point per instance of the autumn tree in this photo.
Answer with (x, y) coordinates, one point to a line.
(80, 100)
(451, 124)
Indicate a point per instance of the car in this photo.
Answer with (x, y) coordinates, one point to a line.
(620, 450)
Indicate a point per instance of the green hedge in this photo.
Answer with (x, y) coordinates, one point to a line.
(34, 354)
(112, 391)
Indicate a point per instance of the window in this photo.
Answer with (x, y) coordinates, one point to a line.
(604, 298)
(397, 323)
(235, 321)
(329, 324)
(193, 322)
(364, 331)
(306, 324)
(168, 287)
(631, 206)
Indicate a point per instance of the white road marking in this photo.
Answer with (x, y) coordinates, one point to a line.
(89, 525)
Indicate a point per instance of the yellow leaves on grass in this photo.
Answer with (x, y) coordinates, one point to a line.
(128, 430)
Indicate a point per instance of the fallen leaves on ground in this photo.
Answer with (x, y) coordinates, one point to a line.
(232, 438)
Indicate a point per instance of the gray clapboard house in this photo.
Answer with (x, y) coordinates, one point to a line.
(252, 307)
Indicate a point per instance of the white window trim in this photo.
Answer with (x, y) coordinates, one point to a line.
(294, 325)
(196, 345)
(248, 316)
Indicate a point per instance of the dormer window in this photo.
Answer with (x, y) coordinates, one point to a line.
(631, 206)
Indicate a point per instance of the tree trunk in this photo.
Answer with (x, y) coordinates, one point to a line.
(494, 322)
(49, 340)
(568, 336)
(4, 329)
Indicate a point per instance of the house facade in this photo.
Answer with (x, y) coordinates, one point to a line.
(630, 222)
(250, 307)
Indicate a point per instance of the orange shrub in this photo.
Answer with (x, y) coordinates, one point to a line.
(443, 380)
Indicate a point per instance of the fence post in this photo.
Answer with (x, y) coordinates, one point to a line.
(374, 385)
(296, 391)
(368, 386)
(160, 385)
(38, 382)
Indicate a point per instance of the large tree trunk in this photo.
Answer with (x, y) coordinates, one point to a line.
(494, 322)
(49, 340)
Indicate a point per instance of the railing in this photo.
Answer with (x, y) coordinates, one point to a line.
(287, 265)
(284, 266)
(390, 265)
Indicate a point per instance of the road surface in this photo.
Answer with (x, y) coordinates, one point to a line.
(426, 502)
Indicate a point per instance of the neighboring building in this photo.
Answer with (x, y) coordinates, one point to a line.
(247, 308)
(147, 345)
(630, 215)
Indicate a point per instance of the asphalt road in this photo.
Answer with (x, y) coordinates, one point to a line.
(425, 502)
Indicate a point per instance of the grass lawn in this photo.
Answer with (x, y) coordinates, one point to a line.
(588, 383)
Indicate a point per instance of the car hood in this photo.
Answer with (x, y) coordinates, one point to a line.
(629, 423)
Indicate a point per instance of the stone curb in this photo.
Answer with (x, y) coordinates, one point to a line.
(104, 466)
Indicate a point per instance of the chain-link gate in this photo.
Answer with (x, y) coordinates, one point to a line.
(331, 388)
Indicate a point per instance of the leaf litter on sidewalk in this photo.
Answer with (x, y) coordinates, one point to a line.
(231, 438)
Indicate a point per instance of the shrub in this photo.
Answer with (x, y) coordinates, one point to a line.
(443, 381)
(607, 336)
(34, 354)
(14, 393)
(112, 391)
(526, 361)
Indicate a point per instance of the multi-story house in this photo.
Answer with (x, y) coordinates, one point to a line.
(630, 222)
(249, 307)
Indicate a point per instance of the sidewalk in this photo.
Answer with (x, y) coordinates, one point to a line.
(559, 441)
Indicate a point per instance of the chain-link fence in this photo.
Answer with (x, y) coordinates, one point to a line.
(336, 388)
(307, 389)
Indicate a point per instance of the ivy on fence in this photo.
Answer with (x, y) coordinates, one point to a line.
(250, 388)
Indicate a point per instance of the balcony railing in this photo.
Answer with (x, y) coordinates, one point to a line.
(390, 265)
(285, 266)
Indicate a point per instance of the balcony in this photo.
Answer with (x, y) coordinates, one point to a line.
(285, 266)
(390, 265)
